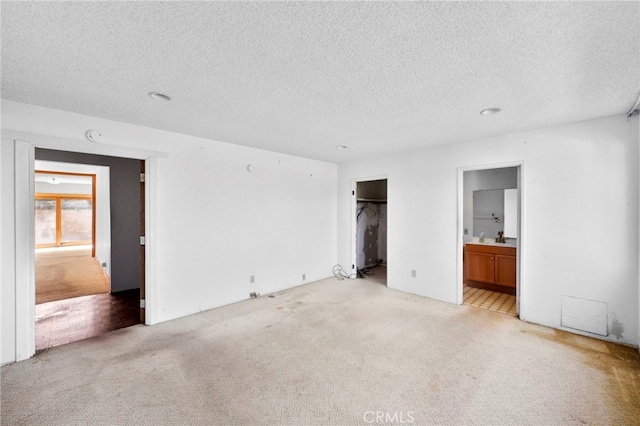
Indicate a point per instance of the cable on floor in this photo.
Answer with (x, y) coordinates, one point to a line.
(341, 274)
(367, 270)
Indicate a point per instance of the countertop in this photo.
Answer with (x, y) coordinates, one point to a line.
(509, 244)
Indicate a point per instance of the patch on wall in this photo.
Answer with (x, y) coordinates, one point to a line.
(585, 315)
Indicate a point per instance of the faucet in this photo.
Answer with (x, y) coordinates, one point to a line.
(500, 238)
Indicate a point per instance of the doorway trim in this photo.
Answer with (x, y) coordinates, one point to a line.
(24, 187)
(354, 223)
(521, 237)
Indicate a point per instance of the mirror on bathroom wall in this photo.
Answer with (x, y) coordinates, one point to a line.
(488, 212)
(495, 210)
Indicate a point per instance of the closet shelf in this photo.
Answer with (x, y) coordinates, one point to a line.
(370, 200)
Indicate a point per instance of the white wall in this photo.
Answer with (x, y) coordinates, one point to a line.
(579, 219)
(214, 222)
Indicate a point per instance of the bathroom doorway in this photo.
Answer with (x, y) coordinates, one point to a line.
(490, 239)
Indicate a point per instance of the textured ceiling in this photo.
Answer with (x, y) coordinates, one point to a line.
(301, 78)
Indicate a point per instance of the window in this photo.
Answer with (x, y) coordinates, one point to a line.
(46, 221)
(63, 219)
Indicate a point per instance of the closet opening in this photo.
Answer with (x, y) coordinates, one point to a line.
(371, 230)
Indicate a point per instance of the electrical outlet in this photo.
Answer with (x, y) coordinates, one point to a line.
(252, 279)
(466, 231)
(413, 273)
(304, 277)
(104, 264)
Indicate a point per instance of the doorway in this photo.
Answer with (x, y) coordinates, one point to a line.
(66, 265)
(107, 273)
(490, 243)
(370, 214)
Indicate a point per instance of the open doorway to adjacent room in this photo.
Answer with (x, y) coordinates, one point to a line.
(491, 230)
(371, 230)
(73, 211)
(65, 231)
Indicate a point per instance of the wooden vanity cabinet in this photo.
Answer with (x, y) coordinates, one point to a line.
(491, 264)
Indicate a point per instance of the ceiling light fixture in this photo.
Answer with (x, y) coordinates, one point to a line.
(341, 147)
(159, 96)
(490, 111)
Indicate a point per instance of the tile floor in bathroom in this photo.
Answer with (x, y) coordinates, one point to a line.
(490, 300)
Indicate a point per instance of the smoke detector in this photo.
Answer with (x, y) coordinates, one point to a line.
(93, 135)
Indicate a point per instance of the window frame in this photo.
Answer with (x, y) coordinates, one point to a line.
(58, 198)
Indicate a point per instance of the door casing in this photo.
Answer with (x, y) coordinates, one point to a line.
(521, 237)
(354, 224)
(24, 187)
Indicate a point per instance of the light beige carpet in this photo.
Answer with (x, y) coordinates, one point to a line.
(329, 353)
(66, 273)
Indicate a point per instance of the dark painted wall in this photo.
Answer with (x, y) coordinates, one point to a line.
(125, 212)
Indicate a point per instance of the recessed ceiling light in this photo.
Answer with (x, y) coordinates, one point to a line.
(490, 111)
(341, 147)
(159, 96)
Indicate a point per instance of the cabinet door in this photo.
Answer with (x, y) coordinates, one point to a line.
(480, 267)
(505, 270)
